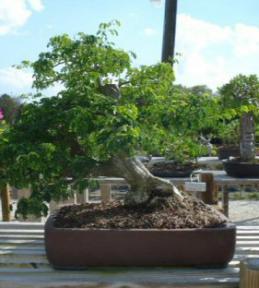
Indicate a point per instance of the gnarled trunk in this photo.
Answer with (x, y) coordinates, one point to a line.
(144, 187)
(247, 137)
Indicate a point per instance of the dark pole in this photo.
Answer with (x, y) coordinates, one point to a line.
(5, 199)
(169, 31)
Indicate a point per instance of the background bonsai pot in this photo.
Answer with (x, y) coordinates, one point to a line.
(235, 168)
(169, 168)
(72, 248)
(226, 151)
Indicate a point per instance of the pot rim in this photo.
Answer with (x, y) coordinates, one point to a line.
(237, 161)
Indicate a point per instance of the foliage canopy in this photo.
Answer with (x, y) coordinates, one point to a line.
(105, 108)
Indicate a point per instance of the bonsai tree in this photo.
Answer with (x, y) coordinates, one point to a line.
(105, 113)
(192, 125)
(240, 97)
(228, 131)
(196, 119)
(194, 115)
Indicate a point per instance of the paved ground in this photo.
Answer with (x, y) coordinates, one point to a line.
(244, 212)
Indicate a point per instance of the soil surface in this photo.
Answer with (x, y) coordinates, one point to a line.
(189, 213)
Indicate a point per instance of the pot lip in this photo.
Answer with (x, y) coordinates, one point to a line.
(237, 161)
(49, 225)
(227, 146)
(189, 164)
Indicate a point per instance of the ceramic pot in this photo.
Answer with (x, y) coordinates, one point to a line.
(169, 168)
(79, 248)
(224, 152)
(239, 169)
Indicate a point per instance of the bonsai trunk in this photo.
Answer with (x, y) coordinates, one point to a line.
(247, 137)
(144, 187)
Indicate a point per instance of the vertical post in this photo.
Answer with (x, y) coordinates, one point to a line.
(87, 195)
(5, 199)
(169, 31)
(210, 196)
(225, 199)
(82, 197)
(55, 205)
(105, 192)
(26, 193)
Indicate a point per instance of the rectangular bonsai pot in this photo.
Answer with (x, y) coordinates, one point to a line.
(73, 248)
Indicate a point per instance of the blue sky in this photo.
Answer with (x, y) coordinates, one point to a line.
(217, 39)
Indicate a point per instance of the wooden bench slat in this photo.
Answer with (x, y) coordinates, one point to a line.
(240, 228)
(23, 247)
(47, 279)
(19, 253)
(241, 249)
(248, 237)
(250, 243)
(153, 273)
(22, 236)
(22, 225)
(23, 262)
(21, 241)
(24, 266)
(15, 270)
(20, 231)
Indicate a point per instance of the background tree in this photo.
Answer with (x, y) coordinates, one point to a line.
(10, 107)
(197, 115)
(241, 97)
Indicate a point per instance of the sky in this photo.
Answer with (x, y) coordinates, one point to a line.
(216, 39)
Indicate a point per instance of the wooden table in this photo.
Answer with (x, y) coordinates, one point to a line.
(23, 264)
(220, 178)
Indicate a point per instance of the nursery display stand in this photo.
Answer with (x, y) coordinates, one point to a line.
(24, 264)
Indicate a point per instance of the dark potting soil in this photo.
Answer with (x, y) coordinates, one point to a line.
(189, 213)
